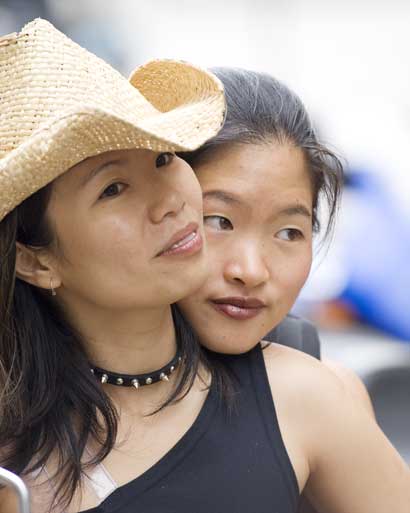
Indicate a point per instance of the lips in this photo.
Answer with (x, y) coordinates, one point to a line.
(185, 241)
(238, 307)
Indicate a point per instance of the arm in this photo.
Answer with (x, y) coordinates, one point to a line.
(351, 466)
(354, 467)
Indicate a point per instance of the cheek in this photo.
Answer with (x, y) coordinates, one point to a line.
(294, 273)
(195, 307)
(189, 186)
(104, 245)
(194, 310)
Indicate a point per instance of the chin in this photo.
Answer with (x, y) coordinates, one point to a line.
(234, 347)
(194, 278)
(186, 286)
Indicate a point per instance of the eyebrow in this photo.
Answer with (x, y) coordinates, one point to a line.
(223, 196)
(295, 210)
(98, 170)
(231, 199)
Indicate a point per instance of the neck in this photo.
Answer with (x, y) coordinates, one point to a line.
(132, 342)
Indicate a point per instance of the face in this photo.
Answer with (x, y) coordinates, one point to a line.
(129, 231)
(258, 223)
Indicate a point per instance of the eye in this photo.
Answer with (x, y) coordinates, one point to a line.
(290, 234)
(218, 223)
(164, 159)
(115, 189)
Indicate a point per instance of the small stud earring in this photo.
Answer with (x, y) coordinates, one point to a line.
(53, 292)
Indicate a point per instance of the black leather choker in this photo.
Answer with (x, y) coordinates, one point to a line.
(137, 380)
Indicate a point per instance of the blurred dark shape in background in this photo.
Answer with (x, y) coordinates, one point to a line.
(389, 390)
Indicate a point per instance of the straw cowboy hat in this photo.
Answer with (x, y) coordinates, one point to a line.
(60, 104)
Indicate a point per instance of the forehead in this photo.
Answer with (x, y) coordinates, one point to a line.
(266, 170)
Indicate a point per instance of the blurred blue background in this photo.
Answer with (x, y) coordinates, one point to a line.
(349, 62)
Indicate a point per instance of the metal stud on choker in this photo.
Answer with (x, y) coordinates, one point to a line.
(137, 380)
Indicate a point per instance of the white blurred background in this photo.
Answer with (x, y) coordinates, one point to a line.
(349, 62)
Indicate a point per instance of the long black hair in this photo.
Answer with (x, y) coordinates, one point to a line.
(260, 109)
(50, 402)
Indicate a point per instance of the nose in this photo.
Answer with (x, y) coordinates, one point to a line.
(167, 202)
(247, 267)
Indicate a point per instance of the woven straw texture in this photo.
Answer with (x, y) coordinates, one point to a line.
(60, 104)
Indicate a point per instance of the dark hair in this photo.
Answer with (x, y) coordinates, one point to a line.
(259, 109)
(50, 402)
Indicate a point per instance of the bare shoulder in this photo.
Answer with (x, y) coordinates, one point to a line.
(304, 391)
(353, 384)
(295, 372)
(308, 395)
(299, 375)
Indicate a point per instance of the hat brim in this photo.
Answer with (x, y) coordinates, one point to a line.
(168, 84)
(185, 113)
(78, 135)
(189, 100)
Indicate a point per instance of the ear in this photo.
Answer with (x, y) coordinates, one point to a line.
(36, 267)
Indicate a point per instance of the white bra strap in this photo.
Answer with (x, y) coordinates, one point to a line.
(100, 481)
(97, 479)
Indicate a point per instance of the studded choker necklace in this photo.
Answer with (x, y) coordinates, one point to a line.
(137, 380)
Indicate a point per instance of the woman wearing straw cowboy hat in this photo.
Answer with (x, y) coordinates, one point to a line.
(100, 232)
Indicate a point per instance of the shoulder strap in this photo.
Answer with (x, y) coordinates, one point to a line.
(100, 480)
(297, 333)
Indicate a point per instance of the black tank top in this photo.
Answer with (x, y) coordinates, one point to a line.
(234, 463)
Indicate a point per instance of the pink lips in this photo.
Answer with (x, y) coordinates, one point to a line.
(187, 241)
(238, 308)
